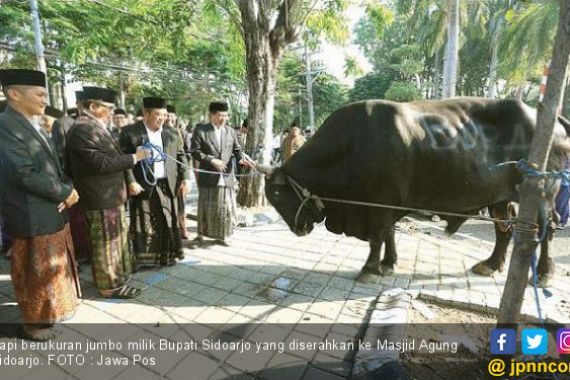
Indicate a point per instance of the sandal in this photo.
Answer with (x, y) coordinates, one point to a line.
(125, 292)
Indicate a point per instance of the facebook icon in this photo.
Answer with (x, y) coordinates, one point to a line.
(503, 341)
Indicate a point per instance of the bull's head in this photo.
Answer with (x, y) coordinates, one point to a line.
(299, 211)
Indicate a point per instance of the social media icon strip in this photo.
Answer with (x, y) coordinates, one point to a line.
(534, 341)
(503, 341)
(563, 341)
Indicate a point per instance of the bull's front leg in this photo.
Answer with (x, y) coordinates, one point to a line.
(545, 266)
(390, 254)
(373, 266)
(503, 234)
(371, 269)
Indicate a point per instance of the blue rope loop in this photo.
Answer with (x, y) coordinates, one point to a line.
(156, 155)
(527, 171)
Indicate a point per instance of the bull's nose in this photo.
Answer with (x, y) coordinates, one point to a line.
(299, 232)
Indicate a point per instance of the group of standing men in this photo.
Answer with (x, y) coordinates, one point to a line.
(102, 169)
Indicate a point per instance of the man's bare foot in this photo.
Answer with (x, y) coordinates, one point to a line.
(39, 332)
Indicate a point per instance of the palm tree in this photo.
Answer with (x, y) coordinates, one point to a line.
(451, 61)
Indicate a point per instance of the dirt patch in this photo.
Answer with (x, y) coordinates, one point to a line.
(468, 362)
(471, 330)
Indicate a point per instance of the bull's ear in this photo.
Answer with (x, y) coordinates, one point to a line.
(265, 170)
(565, 123)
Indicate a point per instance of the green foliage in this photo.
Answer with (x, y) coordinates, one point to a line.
(380, 18)
(371, 86)
(164, 47)
(527, 44)
(291, 99)
(402, 92)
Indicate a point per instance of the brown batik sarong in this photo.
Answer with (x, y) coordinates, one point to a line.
(112, 262)
(45, 278)
(154, 228)
(216, 211)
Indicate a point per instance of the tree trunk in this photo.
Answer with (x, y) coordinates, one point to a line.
(261, 78)
(121, 89)
(437, 75)
(497, 28)
(532, 197)
(451, 50)
(63, 88)
(263, 47)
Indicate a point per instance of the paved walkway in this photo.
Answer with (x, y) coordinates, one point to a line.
(306, 284)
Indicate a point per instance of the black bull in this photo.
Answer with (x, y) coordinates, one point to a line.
(455, 156)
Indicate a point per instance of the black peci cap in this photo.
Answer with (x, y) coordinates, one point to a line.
(170, 109)
(54, 112)
(22, 77)
(218, 107)
(99, 94)
(79, 96)
(154, 102)
(120, 111)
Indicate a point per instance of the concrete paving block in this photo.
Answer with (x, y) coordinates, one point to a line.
(261, 278)
(91, 372)
(214, 315)
(257, 310)
(239, 319)
(284, 315)
(308, 289)
(227, 284)
(334, 294)
(138, 372)
(209, 279)
(297, 301)
(178, 286)
(332, 365)
(341, 283)
(196, 365)
(210, 296)
(328, 310)
(296, 344)
(314, 373)
(248, 289)
(284, 367)
(314, 325)
(89, 314)
(250, 361)
(226, 372)
(233, 302)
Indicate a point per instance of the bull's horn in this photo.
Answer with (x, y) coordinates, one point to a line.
(265, 169)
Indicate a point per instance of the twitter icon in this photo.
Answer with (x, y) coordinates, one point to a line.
(534, 341)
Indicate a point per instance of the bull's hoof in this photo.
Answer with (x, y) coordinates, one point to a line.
(544, 280)
(369, 278)
(387, 270)
(483, 269)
